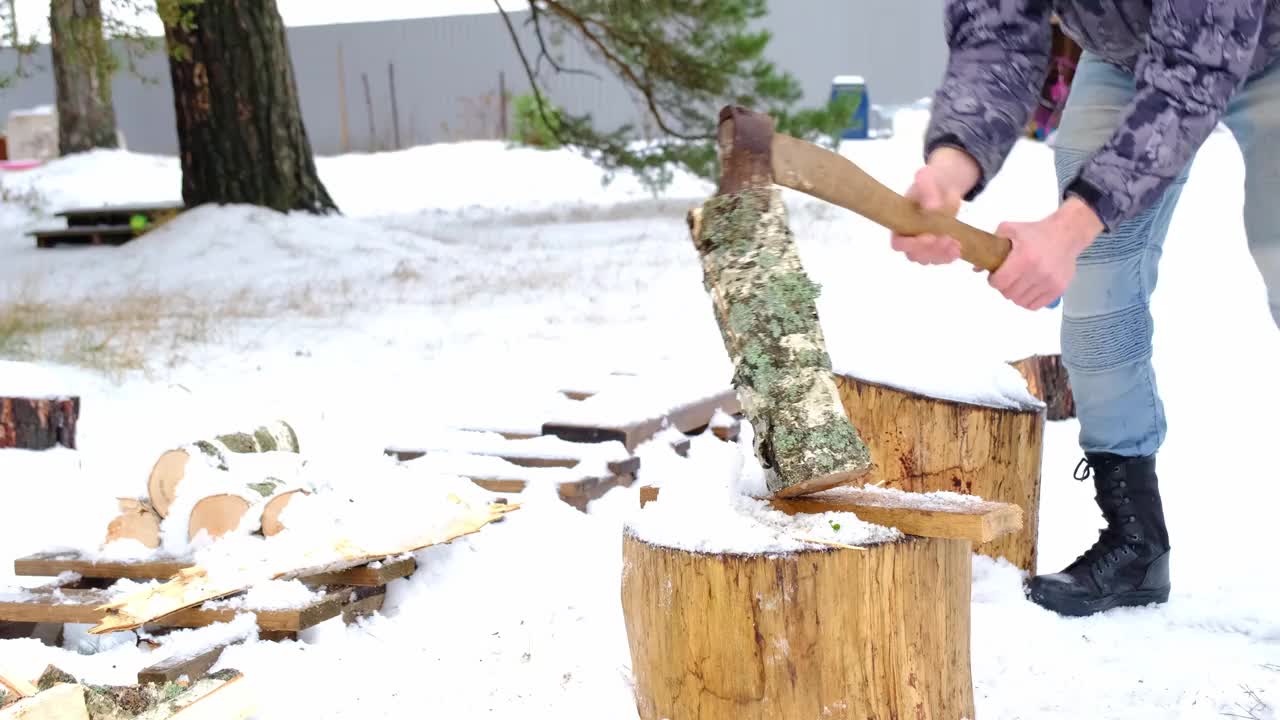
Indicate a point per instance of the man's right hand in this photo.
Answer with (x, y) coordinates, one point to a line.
(940, 185)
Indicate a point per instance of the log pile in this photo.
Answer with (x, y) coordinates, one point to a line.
(247, 479)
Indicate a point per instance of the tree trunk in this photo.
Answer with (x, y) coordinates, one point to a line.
(1048, 380)
(38, 423)
(877, 632)
(240, 132)
(82, 69)
(922, 444)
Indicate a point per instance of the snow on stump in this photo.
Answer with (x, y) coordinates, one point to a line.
(920, 443)
(38, 423)
(880, 631)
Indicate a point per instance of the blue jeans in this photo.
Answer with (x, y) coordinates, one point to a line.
(1107, 327)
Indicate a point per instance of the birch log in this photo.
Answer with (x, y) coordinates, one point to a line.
(765, 306)
(137, 520)
(221, 513)
(171, 467)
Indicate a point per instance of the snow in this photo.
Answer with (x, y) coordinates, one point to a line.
(32, 380)
(445, 307)
(713, 503)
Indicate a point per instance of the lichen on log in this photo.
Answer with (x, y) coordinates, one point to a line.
(765, 305)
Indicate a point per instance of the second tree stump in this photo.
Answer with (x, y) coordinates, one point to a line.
(845, 634)
(925, 444)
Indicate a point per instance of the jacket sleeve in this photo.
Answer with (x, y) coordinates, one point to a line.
(1197, 55)
(999, 58)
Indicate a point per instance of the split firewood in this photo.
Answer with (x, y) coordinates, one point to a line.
(64, 702)
(765, 307)
(195, 585)
(16, 685)
(137, 521)
(171, 467)
(219, 695)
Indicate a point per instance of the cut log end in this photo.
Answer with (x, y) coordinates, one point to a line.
(725, 637)
(217, 515)
(136, 521)
(271, 511)
(166, 474)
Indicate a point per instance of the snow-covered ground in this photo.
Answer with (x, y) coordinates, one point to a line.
(441, 301)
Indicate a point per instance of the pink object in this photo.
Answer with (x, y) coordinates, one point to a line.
(20, 164)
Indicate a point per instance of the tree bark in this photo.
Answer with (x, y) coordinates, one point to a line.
(171, 467)
(241, 136)
(878, 632)
(38, 423)
(1048, 380)
(82, 69)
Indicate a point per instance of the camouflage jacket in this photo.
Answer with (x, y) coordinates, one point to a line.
(1188, 58)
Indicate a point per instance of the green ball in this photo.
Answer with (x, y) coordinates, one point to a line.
(138, 222)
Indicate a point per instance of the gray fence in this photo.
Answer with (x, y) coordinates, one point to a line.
(443, 76)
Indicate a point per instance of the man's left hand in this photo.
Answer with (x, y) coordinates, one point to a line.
(1042, 260)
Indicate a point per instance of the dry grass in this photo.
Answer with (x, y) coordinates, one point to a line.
(142, 331)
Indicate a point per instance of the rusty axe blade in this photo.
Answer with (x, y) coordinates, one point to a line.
(829, 176)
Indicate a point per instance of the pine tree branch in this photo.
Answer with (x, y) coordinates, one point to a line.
(536, 18)
(645, 88)
(554, 128)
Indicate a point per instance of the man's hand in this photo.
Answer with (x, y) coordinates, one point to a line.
(1042, 260)
(940, 185)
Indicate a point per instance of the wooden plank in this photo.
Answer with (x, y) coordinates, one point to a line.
(82, 607)
(366, 576)
(685, 418)
(53, 564)
(922, 516)
(171, 669)
(85, 231)
(978, 522)
(120, 210)
(365, 602)
(60, 702)
(629, 466)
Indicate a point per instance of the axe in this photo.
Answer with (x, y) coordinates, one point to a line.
(758, 156)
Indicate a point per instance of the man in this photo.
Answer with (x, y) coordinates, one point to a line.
(1156, 78)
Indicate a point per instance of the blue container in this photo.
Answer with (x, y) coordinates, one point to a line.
(860, 124)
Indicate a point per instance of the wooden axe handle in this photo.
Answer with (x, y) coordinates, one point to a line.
(829, 176)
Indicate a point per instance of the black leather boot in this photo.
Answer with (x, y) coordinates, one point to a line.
(1129, 564)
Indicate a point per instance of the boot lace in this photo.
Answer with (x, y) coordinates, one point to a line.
(1117, 541)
